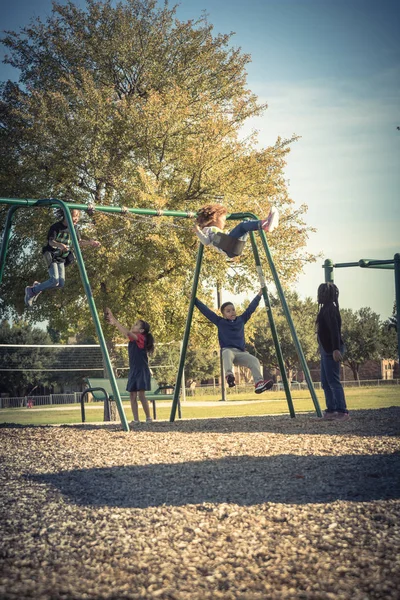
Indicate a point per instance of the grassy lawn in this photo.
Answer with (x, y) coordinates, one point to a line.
(273, 403)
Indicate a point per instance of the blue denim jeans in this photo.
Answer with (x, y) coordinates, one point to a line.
(330, 381)
(244, 227)
(57, 278)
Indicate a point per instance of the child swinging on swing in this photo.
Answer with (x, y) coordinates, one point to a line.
(57, 255)
(211, 220)
(232, 341)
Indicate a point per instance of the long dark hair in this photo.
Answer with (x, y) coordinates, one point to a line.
(148, 335)
(208, 213)
(328, 293)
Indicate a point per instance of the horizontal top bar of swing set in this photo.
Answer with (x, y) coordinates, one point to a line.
(368, 263)
(114, 209)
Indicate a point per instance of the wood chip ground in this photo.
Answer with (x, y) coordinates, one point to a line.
(251, 508)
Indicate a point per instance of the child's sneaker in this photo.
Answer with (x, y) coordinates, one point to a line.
(149, 420)
(342, 416)
(271, 222)
(29, 296)
(329, 415)
(263, 386)
(230, 380)
(36, 296)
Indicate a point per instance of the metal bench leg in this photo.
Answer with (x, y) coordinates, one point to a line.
(90, 390)
(107, 410)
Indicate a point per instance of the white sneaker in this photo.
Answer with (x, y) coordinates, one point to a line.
(263, 386)
(149, 420)
(272, 221)
(29, 296)
(36, 296)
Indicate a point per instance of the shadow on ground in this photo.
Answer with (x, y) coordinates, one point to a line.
(377, 422)
(244, 480)
(369, 422)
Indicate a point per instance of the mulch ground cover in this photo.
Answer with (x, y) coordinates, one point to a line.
(248, 508)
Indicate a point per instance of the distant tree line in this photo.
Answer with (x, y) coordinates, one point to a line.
(366, 336)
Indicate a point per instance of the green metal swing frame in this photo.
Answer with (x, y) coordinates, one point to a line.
(16, 204)
(372, 263)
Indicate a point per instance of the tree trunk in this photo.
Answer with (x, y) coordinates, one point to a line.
(354, 368)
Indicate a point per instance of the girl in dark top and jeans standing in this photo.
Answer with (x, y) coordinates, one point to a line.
(331, 347)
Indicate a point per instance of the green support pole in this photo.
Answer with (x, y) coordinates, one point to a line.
(368, 263)
(328, 268)
(66, 208)
(105, 209)
(6, 239)
(186, 335)
(291, 325)
(385, 267)
(347, 264)
(272, 325)
(397, 292)
(221, 362)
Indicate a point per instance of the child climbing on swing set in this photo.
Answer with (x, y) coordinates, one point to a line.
(232, 342)
(141, 343)
(57, 255)
(211, 220)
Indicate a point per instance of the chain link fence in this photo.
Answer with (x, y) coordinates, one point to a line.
(32, 401)
(199, 392)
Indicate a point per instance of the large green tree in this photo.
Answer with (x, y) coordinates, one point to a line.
(126, 105)
(361, 332)
(389, 340)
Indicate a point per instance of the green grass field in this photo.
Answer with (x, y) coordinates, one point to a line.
(272, 403)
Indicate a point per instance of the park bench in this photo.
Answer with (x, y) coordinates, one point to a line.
(101, 390)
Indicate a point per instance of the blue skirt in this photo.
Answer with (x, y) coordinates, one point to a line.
(139, 380)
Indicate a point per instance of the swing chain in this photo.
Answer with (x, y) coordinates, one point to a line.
(135, 220)
(91, 210)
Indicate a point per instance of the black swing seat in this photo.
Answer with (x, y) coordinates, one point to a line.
(232, 246)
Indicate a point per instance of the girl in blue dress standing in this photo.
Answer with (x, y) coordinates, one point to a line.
(141, 343)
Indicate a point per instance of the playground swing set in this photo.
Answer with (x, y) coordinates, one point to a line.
(226, 243)
(392, 264)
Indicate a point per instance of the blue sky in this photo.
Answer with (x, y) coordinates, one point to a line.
(330, 72)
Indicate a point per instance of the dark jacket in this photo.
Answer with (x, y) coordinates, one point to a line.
(329, 328)
(230, 333)
(59, 233)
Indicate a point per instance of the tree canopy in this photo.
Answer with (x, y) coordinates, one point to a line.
(126, 105)
(362, 334)
(21, 377)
